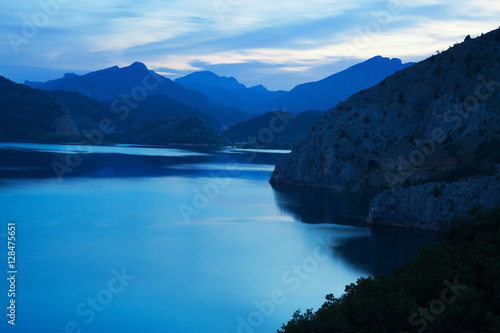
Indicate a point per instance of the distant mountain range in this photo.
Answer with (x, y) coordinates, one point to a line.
(228, 91)
(320, 95)
(136, 82)
(134, 95)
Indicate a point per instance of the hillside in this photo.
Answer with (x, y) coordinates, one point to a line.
(175, 131)
(31, 114)
(87, 112)
(34, 115)
(287, 128)
(137, 82)
(328, 92)
(436, 121)
(447, 288)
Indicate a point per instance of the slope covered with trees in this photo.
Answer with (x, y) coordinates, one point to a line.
(451, 287)
(31, 114)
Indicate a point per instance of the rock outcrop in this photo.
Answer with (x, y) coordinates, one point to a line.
(432, 206)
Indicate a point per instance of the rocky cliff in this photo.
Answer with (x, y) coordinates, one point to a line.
(433, 205)
(427, 123)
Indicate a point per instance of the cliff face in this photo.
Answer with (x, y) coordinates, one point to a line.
(431, 206)
(423, 124)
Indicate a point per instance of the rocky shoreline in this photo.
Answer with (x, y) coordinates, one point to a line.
(432, 206)
(428, 207)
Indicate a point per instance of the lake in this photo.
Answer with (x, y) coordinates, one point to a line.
(149, 239)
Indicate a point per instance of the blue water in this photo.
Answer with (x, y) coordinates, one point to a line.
(148, 239)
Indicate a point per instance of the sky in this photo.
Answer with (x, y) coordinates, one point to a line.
(279, 43)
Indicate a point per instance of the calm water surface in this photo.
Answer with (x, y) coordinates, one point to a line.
(143, 239)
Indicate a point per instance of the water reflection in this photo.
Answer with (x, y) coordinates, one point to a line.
(316, 205)
(384, 249)
(379, 252)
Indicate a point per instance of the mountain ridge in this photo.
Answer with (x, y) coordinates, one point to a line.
(319, 95)
(137, 81)
(328, 92)
(229, 91)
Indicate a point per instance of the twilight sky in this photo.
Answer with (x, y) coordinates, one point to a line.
(278, 43)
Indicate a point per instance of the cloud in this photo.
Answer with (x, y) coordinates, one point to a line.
(281, 37)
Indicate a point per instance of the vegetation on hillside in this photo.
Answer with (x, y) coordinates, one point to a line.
(275, 129)
(453, 287)
(28, 113)
(174, 131)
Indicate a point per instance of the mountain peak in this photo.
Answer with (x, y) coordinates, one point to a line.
(380, 58)
(204, 74)
(137, 65)
(260, 88)
(70, 75)
(209, 79)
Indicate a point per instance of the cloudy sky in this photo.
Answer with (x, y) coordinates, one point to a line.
(278, 43)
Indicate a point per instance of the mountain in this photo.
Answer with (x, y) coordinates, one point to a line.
(284, 126)
(436, 122)
(135, 82)
(328, 92)
(228, 91)
(203, 79)
(31, 114)
(320, 95)
(87, 112)
(35, 115)
(176, 131)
